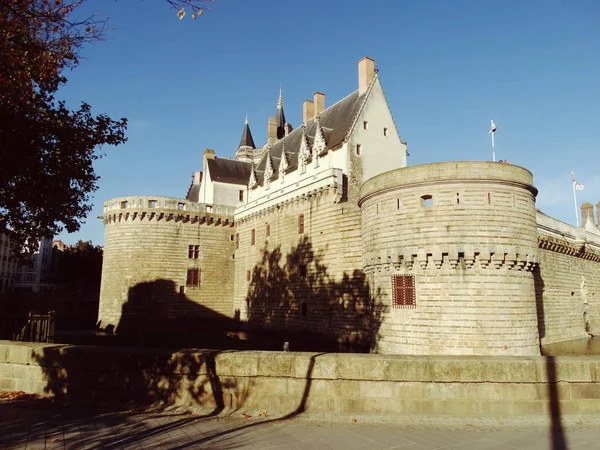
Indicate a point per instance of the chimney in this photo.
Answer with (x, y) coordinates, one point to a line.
(307, 111)
(319, 102)
(209, 153)
(366, 70)
(272, 130)
(587, 210)
(197, 177)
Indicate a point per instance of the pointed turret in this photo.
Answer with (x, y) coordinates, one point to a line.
(280, 117)
(247, 140)
(246, 150)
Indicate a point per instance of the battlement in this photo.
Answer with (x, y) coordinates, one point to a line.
(168, 208)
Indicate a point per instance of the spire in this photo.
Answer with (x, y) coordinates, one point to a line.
(247, 140)
(280, 117)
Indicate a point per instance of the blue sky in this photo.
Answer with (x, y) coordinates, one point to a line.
(446, 66)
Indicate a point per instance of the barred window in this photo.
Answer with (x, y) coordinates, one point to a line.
(193, 251)
(403, 291)
(193, 278)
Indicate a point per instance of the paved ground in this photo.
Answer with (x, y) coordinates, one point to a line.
(35, 424)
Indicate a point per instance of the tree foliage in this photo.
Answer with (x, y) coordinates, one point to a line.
(82, 264)
(46, 149)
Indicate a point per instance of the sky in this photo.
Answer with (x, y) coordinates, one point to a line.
(446, 67)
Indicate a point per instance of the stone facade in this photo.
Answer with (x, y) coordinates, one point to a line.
(324, 232)
(151, 243)
(466, 232)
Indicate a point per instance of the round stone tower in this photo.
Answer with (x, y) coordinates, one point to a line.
(450, 250)
(165, 260)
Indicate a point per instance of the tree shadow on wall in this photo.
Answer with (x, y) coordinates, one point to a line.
(296, 295)
(146, 375)
(557, 434)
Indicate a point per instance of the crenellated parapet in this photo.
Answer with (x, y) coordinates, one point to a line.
(452, 257)
(169, 209)
(576, 249)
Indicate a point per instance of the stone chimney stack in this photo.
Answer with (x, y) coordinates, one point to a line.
(209, 153)
(272, 130)
(366, 71)
(197, 177)
(587, 210)
(319, 100)
(307, 111)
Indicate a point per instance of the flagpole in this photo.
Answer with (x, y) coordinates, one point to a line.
(493, 149)
(575, 201)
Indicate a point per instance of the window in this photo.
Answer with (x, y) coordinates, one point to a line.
(385, 131)
(403, 291)
(268, 230)
(365, 125)
(124, 204)
(358, 149)
(253, 237)
(193, 251)
(237, 240)
(248, 275)
(180, 205)
(151, 203)
(241, 195)
(193, 278)
(426, 201)
(182, 290)
(301, 224)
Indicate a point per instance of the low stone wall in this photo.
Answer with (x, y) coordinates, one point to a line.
(288, 383)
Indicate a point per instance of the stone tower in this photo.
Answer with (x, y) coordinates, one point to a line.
(452, 248)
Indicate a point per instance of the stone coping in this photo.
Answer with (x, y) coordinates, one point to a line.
(299, 365)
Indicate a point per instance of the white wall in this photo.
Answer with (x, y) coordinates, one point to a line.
(379, 153)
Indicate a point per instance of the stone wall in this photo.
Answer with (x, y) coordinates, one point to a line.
(146, 260)
(466, 233)
(568, 281)
(289, 383)
(306, 280)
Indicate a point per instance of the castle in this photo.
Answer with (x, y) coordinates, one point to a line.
(325, 231)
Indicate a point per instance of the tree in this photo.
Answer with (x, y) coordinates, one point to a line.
(46, 149)
(81, 264)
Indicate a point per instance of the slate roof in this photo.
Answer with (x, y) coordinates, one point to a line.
(247, 140)
(335, 122)
(229, 171)
(193, 194)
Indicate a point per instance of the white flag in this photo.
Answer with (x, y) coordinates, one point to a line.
(576, 185)
(492, 126)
